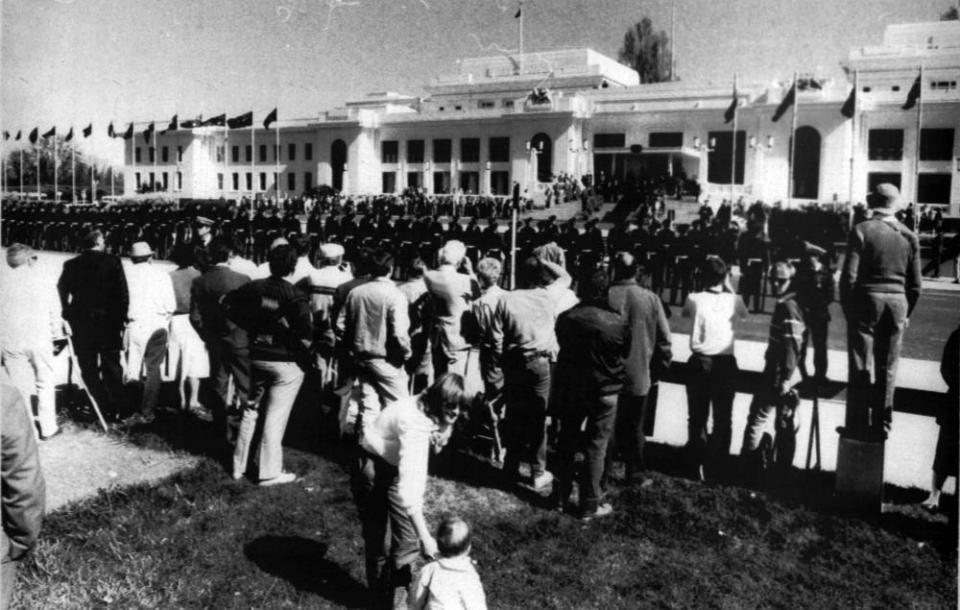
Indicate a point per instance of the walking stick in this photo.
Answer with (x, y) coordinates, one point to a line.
(814, 429)
(76, 366)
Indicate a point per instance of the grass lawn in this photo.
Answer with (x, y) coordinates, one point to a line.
(201, 540)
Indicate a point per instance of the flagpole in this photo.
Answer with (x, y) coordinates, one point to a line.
(253, 153)
(853, 146)
(73, 171)
(37, 150)
(21, 170)
(276, 155)
(793, 143)
(156, 153)
(226, 153)
(521, 36)
(916, 156)
(673, 43)
(56, 170)
(733, 162)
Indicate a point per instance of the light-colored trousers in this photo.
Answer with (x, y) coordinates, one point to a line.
(31, 371)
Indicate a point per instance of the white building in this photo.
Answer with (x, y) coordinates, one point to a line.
(482, 129)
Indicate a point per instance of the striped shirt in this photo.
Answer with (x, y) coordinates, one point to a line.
(786, 337)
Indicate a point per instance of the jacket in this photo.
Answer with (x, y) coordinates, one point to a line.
(94, 298)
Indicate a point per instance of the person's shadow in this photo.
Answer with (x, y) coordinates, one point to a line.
(302, 563)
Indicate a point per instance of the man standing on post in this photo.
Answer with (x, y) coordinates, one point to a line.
(93, 293)
(879, 287)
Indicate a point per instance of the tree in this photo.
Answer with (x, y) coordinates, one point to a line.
(648, 52)
(951, 14)
(46, 151)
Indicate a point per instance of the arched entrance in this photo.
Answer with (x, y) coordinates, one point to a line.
(544, 163)
(338, 162)
(806, 164)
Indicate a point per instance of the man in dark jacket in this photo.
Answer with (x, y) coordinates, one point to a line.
(879, 287)
(593, 341)
(94, 297)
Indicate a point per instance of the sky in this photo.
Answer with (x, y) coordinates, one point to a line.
(73, 62)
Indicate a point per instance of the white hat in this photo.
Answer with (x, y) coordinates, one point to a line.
(331, 250)
(140, 249)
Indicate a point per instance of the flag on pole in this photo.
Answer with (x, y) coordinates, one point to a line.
(110, 131)
(913, 95)
(191, 123)
(519, 11)
(51, 133)
(788, 101)
(6, 134)
(33, 135)
(242, 120)
(69, 135)
(128, 133)
(17, 139)
(148, 133)
(218, 121)
(850, 104)
(732, 108)
(173, 126)
(270, 119)
(88, 130)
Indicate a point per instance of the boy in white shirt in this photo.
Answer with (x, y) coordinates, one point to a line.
(452, 580)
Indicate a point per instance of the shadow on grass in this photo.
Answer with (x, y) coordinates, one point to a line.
(302, 563)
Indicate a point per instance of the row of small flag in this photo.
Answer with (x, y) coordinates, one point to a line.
(237, 122)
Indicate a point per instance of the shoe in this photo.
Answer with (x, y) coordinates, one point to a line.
(603, 510)
(238, 475)
(282, 478)
(46, 437)
(541, 480)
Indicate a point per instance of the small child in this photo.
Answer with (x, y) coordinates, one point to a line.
(451, 581)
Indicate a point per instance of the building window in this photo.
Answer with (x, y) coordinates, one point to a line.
(179, 181)
(291, 182)
(943, 85)
(508, 103)
(308, 151)
(458, 107)
(137, 177)
(389, 152)
(263, 180)
(413, 180)
(415, 151)
(153, 154)
(666, 139)
(485, 104)
(249, 181)
(719, 160)
(500, 183)
(221, 154)
(235, 154)
(609, 140)
(470, 150)
(166, 180)
(874, 179)
(441, 182)
(236, 181)
(934, 188)
(499, 150)
(470, 182)
(885, 145)
(442, 150)
(153, 180)
(179, 154)
(165, 154)
(936, 144)
(248, 153)
(136, 155)
(291, 152)
(262, 153)
(866, 89)
(307, 180)
(895, 88)
(389, 182)
(219, 182)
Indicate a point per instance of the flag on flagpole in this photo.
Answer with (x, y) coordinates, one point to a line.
(69, 135)
(732, 108)
(148, 133)
(191, 123)
(218, 121)
(51, 133)
(173, 126)
(88, 130)
(270, 119)
(128, 133)
(33, 135)
(17, 139)
(913, 95)
(241, 120)
(110, 131)
(851, 103)
(788, 101)
(519, 12)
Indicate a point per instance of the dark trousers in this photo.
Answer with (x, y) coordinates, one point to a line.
(226, 361)
(153, 355)
(711, 382)
(388, 564)
(103, 376)
(600, 415)
(631, 432)
(875, 325)
(527, 391)
(815, 333)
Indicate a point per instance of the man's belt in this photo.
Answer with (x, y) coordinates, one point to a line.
(529, 356)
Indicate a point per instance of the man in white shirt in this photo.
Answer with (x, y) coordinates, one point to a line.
(238, 263)
(304, 269)
(152, 303)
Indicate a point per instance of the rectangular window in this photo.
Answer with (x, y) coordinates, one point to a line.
(484, 104)
(137, 177)
(508, 103)
(291, 152)
(153, 180)
(609, 140)
(165, 154)
(389, 182)
(470, 182)
(235, 154)
(934, 188)
(179, 181)
(666, 139)
(249, 181)
(166, 180)
(263, 180)
(442, 150)
(413, 180)
(719, 160)
(248, 153)
(179, 154)
(308, 151)
(220, 154)
(936, 144)
(885, 145)
(291, 182)
(136, 154)
(219, 182)
(262, 153)
(236, 181)
(153, 154)
(415, 151)
(389, 152)
(500, 183)
(499, 150)
(875, 179)
(943, 85)
(307, 180)
(441, 182)
(470, 150)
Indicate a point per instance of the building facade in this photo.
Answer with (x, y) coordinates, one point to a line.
(531, 118)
